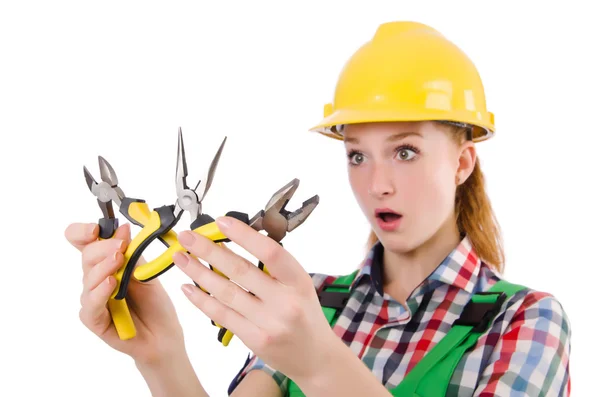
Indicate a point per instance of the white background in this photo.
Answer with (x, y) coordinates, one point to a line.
(79, 79)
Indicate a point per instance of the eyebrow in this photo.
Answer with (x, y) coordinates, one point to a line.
(391, 138)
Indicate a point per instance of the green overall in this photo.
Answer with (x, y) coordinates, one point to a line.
(430, 377)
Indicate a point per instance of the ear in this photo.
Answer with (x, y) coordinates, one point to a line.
(467, 157)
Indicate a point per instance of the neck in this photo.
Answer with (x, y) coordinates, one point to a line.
(405, 271)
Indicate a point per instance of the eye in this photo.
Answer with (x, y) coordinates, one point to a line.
(407, 152)
(356, 157)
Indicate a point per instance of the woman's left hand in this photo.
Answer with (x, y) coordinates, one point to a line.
(283, 323)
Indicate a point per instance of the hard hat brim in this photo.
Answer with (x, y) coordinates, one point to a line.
(483, 124)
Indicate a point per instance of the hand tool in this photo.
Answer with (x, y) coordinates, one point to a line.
(274, 219)
(157, 223)
(137, 212)
(277, 222)
(187, 200)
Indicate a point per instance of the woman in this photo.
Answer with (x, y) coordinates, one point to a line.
(409, 107)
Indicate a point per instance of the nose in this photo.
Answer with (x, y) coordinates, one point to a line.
(381, 180)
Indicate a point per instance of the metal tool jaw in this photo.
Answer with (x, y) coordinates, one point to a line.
(276, 220)
(106, 192)
(188, 199)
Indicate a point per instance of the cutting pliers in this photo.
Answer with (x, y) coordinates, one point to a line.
(157, 223)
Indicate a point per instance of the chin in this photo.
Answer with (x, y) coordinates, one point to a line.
(397, 242)
(404, 240)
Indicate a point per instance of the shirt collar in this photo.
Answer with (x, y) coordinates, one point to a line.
(460, 268)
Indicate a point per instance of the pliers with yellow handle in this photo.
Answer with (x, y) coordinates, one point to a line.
(157, 223)
(274, 219)
(138, 213)
(189, 200)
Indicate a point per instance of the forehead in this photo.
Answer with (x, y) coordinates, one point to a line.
(360, 132)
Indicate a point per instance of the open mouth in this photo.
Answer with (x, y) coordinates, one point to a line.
(387, 215)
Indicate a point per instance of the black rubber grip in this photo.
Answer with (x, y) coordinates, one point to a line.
(202, 220)
(205, 219)
(125, 203)
(167, 221)
(240, 216)
(108, 227)
(222, 332)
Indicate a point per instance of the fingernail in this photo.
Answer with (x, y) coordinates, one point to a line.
(186, 238)
(120, 244)
(223, 222)
(180, 259)
(188, 289)
(114, 257)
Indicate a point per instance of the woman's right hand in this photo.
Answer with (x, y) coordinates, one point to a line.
(159, 334)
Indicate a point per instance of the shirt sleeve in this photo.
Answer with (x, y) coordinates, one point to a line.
(254, 362)
(531, 358)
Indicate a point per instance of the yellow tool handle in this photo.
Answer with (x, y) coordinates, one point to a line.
(122, 319)
(158, 265)
(161, 219)
(139, 213)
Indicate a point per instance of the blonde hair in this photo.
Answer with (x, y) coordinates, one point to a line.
(474, 214)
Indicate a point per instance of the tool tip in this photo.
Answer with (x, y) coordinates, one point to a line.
(107, 173)
(89, 179)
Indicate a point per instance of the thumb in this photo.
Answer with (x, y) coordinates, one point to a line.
(124, 233)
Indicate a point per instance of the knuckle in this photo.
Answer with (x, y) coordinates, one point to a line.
(272, 254)
(228, 294)
(293, 313)
(203, 247)
(277, 335)
(240, 269)
(83, 316)
(212, 309)
(83, 299)
(68, 234)
(87, 254)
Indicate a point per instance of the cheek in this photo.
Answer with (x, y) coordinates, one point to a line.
(358, 184)
(441, 185)
(414, 186)
(427, 188)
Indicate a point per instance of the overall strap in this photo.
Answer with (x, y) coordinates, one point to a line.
(333, 298)
(431, 376)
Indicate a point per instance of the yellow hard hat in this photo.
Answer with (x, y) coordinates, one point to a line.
(408, 72)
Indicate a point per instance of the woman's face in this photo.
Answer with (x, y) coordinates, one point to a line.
(410, 169)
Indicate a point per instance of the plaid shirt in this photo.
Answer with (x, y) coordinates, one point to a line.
(525, 352)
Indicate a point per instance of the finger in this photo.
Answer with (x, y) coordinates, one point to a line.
(250, 333)
(102, 270)
(96, 252)
(221, 288)
(278, 261)
(230, 264)
(81, 234)
(94, 313)
(123, 232)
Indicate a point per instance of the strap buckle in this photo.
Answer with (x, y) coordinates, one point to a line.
(479, 314)
(334, 299)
